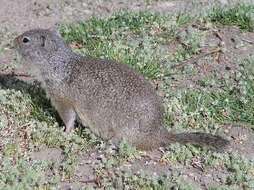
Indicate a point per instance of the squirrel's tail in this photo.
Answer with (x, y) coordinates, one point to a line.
(198, 138)
(203, 139)
(162, 138)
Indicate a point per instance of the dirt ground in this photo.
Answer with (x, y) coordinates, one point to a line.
(17, 16)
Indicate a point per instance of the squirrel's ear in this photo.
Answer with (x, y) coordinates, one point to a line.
(54, 29)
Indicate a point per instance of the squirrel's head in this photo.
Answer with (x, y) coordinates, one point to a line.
(38, 44)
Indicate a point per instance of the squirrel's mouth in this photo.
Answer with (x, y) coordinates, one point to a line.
(18, 58)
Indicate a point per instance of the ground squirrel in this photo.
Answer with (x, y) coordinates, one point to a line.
(111, 98)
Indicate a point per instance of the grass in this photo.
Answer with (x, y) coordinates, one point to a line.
(150, 43)
(240, 15)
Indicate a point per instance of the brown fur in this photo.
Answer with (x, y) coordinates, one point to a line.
(115, 101)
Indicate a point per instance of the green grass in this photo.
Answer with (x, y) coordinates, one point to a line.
(151, 44)
(241, 15)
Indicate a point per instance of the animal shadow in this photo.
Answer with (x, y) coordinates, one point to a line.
(41, 103)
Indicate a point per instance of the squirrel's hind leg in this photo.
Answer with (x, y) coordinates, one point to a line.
(67, 114)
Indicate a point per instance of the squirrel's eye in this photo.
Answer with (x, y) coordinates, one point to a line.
(25, 40)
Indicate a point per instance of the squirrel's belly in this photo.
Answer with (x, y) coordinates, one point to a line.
(101, 131)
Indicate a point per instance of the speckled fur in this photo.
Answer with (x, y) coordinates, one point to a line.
(111, 98)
